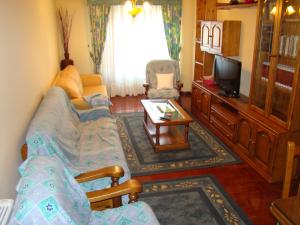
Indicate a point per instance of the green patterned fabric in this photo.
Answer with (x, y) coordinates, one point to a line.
(172, 11)
(98, 18)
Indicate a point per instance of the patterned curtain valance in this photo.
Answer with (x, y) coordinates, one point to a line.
(120, 2)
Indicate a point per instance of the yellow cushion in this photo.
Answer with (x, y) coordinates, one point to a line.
(91, 90)
(69, 79)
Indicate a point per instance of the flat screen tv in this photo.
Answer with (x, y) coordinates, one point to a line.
(227, 76)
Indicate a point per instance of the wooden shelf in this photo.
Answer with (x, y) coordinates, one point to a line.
(226, 6)
(291, 20)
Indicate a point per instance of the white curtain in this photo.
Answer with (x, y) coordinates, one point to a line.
(130, 45)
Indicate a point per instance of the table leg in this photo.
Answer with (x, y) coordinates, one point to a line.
(186, 134)
(157, 134)
(145, 116)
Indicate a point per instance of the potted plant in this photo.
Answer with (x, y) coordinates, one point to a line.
(65, 21)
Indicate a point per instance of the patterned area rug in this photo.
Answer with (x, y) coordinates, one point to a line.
(205, 150)
(197, 200)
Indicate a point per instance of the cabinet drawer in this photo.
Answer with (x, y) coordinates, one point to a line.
(223, 128)
(228, 118)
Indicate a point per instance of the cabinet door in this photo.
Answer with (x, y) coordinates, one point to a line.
(261, 73)
(264, 148)
(205, 35)
(216, 31)
(244, 138)
(205, 104)
(195, 97)
(286, 60)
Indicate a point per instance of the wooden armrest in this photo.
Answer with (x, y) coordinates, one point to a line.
(131, 187)
(179, 86)
(111, 171)
(146, 86)
(24, 152)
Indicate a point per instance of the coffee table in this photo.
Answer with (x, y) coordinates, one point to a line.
(171, 134)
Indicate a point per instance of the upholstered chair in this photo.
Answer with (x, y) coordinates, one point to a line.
(163, 80)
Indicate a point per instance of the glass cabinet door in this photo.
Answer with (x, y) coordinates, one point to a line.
(287, 55)
(264, 50)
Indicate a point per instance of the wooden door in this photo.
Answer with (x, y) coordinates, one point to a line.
(205, 35)
(216, 33)
(264, 148)
(244, 136)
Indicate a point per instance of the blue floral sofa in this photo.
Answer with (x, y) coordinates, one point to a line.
(83, 140)
(47, 193)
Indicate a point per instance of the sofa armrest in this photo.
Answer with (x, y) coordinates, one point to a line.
(91, 79)
(112, 171)
(130, 187)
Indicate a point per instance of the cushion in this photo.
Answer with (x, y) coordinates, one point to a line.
(138, 213)
(70, 81)
(165, 81)
(98, 100)
(163, 93)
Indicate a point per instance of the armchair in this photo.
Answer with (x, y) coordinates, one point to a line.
(48, 194)
(163, 68)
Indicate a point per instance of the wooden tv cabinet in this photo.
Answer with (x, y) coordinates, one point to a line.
(255, 138)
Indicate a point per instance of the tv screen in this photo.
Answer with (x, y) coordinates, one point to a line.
(227, 75)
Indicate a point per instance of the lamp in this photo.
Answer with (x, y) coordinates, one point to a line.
(133, 9)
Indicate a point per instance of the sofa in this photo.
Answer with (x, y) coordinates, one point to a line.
(83, 145)
(48, 194)
(77, 86)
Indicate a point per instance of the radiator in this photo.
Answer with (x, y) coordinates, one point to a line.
(5, 210)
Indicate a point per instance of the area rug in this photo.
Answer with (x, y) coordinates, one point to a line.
(205, 151)
(189, 201)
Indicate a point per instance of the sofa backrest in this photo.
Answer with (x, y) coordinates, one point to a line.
(48, 194)
(54, 128)
(69, 79)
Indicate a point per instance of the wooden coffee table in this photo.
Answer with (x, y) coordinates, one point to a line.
(166, 134)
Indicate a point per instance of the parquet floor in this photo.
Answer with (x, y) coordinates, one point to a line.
(248, 189)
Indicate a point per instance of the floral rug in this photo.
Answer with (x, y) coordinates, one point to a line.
(205, 151)
(196, 200)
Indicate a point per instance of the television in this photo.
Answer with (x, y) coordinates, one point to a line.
(227, 74)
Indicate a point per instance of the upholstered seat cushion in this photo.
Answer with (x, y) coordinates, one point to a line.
(163, 93)
(138, 213)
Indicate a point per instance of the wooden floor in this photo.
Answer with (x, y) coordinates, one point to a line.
(247, 188)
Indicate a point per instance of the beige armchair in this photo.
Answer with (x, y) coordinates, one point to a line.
(161, 68)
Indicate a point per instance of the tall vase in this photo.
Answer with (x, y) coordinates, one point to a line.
(67, 61)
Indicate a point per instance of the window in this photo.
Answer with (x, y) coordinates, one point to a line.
(130, 44)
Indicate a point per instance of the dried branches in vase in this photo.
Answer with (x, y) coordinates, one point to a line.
(65, 21)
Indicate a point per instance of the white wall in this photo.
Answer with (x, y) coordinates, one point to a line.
(28, 63)
(80, 38)
(248, 18)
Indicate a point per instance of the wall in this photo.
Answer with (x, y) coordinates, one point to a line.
(188, 43)
(248, 18)
(80, 37)
(28, 62)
